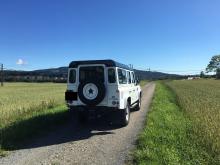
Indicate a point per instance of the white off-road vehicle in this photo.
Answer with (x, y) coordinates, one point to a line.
(102, 86)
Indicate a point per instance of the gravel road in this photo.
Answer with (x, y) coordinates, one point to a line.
(95, 143)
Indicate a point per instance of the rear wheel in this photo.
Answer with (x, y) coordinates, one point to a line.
(125, 115)
(73, 115)
(78, 117)
(83, 117)
(138, 106)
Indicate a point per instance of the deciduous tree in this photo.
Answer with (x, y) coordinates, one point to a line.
(202, 74)
(214, 65)
(218, 73)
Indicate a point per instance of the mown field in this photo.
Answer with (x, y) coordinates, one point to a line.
(183, 125)
(26, 107)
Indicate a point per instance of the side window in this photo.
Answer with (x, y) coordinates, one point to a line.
(129, 77)
(133, 78)
(122, 78)
(72, 76)
(111, 75)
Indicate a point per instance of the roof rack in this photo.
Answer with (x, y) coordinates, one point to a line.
(108, 63)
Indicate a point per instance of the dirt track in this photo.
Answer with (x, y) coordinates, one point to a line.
(95, 143)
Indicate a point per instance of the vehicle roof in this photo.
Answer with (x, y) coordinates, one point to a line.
(108, 63)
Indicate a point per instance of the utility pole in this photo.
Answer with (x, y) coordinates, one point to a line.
(2, 75)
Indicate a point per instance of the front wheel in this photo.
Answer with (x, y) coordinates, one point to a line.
(125, 115)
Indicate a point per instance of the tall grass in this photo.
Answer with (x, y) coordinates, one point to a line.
(200, 99)
(168, 137)
(19, 99)
(20, 102)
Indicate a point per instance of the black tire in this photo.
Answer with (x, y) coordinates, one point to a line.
(73, 115)
(100, 96)
(125, 115)
(78, 117)
(138, 106)
(83, 117)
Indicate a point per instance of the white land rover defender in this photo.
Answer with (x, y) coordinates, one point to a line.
(102, 85)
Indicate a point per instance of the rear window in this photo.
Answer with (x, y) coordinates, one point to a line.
(122, 78)
(111, 75)
(91, 73)
(72, 76)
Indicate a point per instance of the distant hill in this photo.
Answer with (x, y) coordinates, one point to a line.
(60, 75)
(152, 75)
(139, 73)
(61, 71)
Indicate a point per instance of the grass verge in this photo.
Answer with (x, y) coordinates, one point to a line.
(143, 83)
(28, 126)
(168, 137)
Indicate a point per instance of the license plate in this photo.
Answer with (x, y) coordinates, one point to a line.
(69, 95)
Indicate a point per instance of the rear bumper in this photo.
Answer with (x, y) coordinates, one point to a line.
(108, 113)
(96, 109)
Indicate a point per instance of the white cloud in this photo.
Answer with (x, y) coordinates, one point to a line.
(21, 62)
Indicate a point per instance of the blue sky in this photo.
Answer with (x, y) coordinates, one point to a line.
(168, 36)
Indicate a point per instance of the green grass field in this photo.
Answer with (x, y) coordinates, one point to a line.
(200, 101)
(20, 99)
(183, 124)
(25, 108)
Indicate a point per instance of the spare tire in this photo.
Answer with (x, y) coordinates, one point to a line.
(91, 92)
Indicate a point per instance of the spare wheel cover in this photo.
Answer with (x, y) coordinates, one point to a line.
(91, 93)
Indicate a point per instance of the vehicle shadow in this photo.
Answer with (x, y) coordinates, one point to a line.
(61, 129)
(71, 133)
